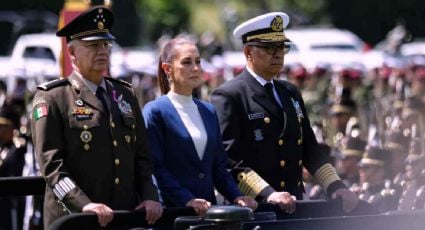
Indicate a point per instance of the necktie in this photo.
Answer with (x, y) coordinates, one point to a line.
(269, 89)
(99, 95)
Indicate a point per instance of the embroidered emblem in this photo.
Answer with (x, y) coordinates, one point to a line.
(277, 24)
(40, 111)
(123, 106)
(258, 135)
(254, 116)
(297, 107)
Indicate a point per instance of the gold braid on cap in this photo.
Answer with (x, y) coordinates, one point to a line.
(326, 175)
(88, 33)
(273, 36)
(250, 183)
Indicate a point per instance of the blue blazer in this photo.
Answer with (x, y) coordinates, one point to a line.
(180, 173)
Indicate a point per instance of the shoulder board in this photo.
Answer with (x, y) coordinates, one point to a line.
(118, 81)
(52, 84)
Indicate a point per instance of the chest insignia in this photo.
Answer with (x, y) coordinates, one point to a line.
(123, 105)
(79, 102)
(258, 135)
(82, 113)
(297, 107)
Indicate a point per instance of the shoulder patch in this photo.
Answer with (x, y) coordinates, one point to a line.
(118, 81)
(52, 84)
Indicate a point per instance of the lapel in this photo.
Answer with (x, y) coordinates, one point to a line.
(172, 112)
(84, 93)
(260, 95)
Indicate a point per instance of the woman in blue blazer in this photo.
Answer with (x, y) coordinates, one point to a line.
(184, 135)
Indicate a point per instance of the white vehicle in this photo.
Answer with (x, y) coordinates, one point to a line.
(326, 46)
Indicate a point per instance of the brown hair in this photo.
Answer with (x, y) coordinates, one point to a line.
(166, 56)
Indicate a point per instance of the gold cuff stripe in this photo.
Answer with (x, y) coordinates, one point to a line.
(89, 32)
(326, 175)
(251, 184)
(275, 36)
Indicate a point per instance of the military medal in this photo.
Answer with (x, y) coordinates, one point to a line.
(86, 137)
(82, 113)
(297, 107)
(79, 102)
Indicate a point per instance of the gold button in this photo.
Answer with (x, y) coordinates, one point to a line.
(112, 124)
(282, 184)
(117, 162)
(85, 127)
(282, 163)
(267, 120)
(280, 142)
(300, 141)
(133, 126)
(117, 180)
(115, 143)
(127, 139)
(300, 162)
(86, 147)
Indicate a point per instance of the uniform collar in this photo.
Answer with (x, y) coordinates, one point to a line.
(257, 77)
(91, 85)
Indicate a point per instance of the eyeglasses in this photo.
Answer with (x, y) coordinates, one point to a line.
(98, 45)
(273, 49)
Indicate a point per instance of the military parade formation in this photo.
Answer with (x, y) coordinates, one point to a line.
(265, 132)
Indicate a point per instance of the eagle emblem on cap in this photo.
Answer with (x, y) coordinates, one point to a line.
(277, 24)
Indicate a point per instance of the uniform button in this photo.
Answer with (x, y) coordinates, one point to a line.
(133, 126)
(282, 163)
(112, 124)
(282, 184)
(201, 175)
(300, 162)
(117, 162)
(300, 141)
(85, 127)
(115, 143)
(280, 142)
(266, 120)
(117, 180)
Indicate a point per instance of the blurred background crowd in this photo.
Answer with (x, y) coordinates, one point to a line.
(360, 65)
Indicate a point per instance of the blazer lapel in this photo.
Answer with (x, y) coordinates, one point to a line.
(260, 95)
(84, 93)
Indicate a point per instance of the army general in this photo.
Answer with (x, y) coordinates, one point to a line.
(88, 134)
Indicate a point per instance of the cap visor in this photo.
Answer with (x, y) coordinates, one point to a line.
(99, 37)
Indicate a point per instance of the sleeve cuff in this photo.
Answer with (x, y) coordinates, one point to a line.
(326, 175)
(251, 184)
(334, 186)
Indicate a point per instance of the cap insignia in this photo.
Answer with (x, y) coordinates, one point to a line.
(277, 24)
(100, 25)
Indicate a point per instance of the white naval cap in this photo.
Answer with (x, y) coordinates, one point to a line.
(264, 28)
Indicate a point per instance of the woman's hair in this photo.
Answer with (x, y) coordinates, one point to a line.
(166, 56)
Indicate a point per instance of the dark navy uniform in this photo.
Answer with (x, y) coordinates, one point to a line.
(88, 153)
(275, 143)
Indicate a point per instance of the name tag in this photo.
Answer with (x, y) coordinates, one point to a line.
(253, 116)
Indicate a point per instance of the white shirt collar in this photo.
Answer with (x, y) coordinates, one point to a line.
(257, 77)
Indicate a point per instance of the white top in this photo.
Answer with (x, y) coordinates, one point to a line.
(189, 113)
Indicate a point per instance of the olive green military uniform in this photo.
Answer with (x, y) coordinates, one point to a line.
(88, 153)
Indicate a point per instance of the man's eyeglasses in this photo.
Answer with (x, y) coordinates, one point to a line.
(98, 45)
(273, 49)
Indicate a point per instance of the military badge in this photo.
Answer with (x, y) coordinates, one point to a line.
(82, 113)
(254, 116)
(297, 107)
(40, 111)
(277, 24)
(123, 106)
(79, 102)
(86, 137)
(258, 135)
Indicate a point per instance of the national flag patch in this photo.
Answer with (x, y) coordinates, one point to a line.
(40, 111)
